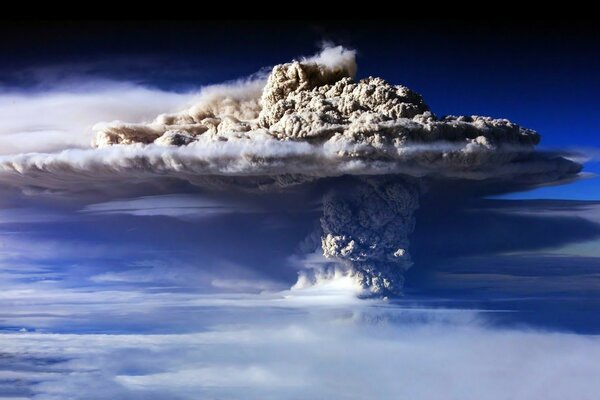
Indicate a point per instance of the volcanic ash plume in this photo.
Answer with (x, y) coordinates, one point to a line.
(308, 120)
(319, 102)
(367, 229)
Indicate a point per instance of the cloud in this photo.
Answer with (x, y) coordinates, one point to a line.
(210, 377)
(372, 351)
(25, 215)
(183, 206)
(63, 117)
(308, 121)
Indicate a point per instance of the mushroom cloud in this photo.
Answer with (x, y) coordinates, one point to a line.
(309, 121)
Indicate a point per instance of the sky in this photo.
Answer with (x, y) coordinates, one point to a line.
(147, 284)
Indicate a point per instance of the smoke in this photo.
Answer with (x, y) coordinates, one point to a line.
(368, 230)
(308, 120)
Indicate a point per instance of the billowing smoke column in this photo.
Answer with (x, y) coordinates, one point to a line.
(309, 120)
(367, 229)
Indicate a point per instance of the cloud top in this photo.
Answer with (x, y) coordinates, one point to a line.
(317, 100)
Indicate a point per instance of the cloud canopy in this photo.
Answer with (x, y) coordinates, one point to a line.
(308, 119)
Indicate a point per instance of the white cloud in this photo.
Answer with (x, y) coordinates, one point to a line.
(381, 352)
(209, 377)
(60, 118)
(183, 206)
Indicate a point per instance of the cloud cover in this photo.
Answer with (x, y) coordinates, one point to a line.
(276, 352)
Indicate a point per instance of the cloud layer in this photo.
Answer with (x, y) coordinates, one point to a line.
(275, 352)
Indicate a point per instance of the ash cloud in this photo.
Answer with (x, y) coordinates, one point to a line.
(308, 120)
(368, 230)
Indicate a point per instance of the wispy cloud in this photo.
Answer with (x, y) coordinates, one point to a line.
(184, 206)
(57, 118)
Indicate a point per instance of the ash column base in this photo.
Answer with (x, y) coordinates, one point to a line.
(366, 228)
